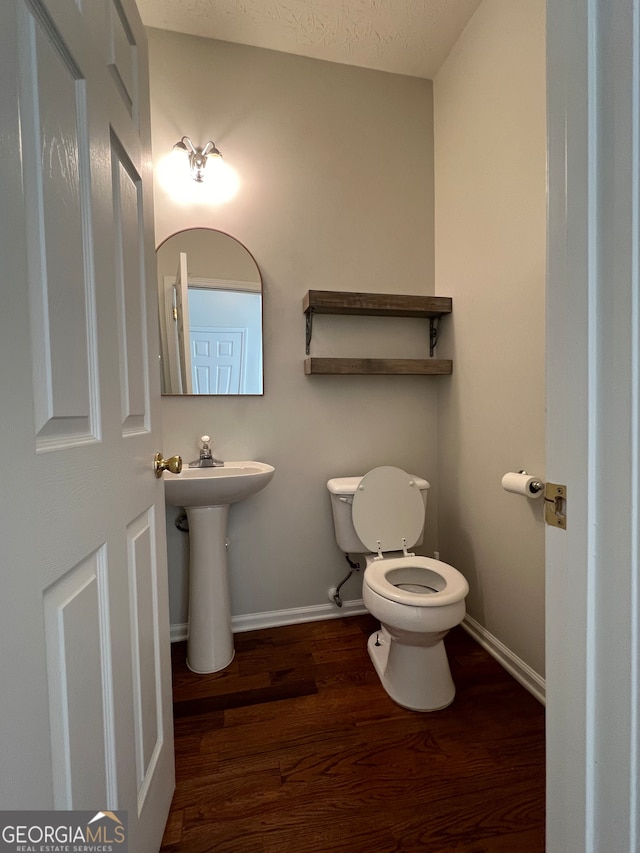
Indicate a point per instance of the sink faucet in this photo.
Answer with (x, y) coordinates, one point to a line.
(206, 458)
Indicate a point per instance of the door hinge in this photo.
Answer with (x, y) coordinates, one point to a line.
(555, 505)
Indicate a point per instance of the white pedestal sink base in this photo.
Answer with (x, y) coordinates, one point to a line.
(210, 639)
(206, 494)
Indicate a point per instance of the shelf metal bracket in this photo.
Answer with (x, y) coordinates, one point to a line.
(309, 328)
(433, 334)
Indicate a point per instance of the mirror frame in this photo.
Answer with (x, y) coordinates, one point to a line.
(162, 320)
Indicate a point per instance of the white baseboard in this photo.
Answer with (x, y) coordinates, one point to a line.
(520, 670)
(277, 618)
(313, 613)
(178, 633)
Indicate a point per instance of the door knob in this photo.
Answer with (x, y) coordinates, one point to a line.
(160, 465)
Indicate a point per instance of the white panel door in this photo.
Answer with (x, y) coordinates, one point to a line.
(217, 359)
(85, 707)
(183, 323)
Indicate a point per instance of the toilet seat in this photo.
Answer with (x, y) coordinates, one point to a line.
(388, 515)
(388, 510)
(397, 579)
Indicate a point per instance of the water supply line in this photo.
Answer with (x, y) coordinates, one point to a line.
(182, 522)
(334, 594)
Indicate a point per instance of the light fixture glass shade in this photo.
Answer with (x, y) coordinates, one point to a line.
(192, 175)
(197, 156)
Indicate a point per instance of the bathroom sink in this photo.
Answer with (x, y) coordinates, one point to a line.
(233, 482)
(206, 495)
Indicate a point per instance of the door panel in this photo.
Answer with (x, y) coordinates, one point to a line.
(121, 53)
(56, 174)
(79, 677)
(129, 260)
(143, 572)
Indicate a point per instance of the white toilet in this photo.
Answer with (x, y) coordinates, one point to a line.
(417, 599)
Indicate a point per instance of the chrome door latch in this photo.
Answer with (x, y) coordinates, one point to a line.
(555, 505)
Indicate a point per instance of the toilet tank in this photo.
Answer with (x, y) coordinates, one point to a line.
(342, 490)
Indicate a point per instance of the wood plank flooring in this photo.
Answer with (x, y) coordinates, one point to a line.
(296, 748)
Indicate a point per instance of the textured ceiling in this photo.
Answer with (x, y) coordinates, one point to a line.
(403, 36)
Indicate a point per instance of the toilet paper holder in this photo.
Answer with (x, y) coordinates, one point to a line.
(522, 483)
(555, 500)
(536, 486)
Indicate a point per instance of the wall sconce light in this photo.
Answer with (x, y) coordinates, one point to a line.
(197, 156)
(214, 182)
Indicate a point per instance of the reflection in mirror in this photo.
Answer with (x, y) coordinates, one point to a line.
(210, 299)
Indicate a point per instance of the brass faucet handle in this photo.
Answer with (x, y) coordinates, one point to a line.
(160, 465)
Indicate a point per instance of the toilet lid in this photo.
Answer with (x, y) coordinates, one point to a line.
(387, 507)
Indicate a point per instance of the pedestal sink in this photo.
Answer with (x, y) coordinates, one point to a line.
(206, 494)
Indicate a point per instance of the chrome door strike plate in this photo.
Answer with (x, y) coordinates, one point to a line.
(555, 505)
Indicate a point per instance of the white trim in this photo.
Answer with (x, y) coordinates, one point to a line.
(278, 618)
(178, 632)
(225, 284)
(521, 671)
(570, 433)
(593, 404)
(514, 665)
(313, 613)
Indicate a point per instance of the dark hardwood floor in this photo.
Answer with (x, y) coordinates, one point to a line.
(296, 748)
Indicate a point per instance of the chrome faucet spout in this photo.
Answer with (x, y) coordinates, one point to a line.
(206, 458)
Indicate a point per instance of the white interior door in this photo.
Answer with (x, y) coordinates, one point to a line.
(170, 345)
(217, 360)
(593, 589)
(86, 704)
(183, 323)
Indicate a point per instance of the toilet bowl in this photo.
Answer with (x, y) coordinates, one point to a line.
(417, 600)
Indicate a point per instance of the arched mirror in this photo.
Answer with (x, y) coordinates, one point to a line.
(210, 298)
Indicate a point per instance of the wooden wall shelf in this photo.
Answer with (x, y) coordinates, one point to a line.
(379, 366)
(376, 305)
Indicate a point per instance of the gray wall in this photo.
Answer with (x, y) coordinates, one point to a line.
(490, 203)
(336, 165)
(337, 192)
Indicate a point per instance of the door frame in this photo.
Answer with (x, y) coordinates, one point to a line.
(593, 424)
